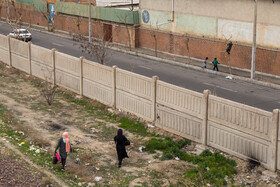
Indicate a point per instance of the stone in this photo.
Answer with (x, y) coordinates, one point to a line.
(110, 110)
(97, 179)
(78, 97)
(150, 126)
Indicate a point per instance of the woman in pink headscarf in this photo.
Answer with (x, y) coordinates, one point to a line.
(64, 148)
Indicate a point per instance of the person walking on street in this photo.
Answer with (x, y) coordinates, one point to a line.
(121, 141)
(204, 63)
(64, 148)
(215, 63)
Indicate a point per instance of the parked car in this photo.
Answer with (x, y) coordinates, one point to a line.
(21, 34)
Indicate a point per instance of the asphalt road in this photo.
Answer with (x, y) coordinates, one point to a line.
(262, 97)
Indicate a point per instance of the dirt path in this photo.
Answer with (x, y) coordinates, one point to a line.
(92, 139)
(41, 169)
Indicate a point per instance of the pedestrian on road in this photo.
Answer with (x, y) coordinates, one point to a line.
(204, 63)
(121, 141)
(215, 63)
(64, 148)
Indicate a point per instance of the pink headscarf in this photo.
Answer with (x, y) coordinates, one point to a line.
(65, 136)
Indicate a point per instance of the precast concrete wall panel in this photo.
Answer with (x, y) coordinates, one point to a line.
(179, 110)
(179, 99)
(134, 93)
(97, 82)
(134, 104)
(19, 54)
(41, 55)
(241, 117)
(98, 73)
(134, 83)
(238, 143)
(240, 130)
(20, 62)
(67, 63)
(41, 60)
(97, 91)
(67, 71)
(179, 123)
(4, 53)
(19, 47)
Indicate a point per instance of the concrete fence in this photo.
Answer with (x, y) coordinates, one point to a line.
(235, 128)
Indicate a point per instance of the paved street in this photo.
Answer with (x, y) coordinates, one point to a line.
(236, 90)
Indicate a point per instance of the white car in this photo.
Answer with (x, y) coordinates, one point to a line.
(21, 34)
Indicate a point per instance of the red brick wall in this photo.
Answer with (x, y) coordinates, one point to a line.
(120, 35)
(267, 61)
(26, 13)
(77, 25)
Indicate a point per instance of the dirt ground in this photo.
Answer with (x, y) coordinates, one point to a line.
(94, 159)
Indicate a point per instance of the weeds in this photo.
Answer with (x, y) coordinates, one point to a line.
(211, 168)
(133, 126)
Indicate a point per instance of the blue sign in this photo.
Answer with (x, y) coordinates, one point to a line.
(145, 16)
(52, 12)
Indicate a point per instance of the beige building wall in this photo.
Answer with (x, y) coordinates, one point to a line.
(222, 19)
(240, 10)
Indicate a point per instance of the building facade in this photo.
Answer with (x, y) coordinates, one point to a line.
(201, 28)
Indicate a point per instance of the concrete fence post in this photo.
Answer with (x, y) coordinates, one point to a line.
(53, 65)
(154, 98)
(9, 51)
(205, 100)
(29, 58)
(274, 139)
(81, 76)
(114, 86)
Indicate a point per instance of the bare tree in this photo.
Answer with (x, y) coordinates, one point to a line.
(153, 33)
(188, 49)
(49, 89)
(127, 29)
(97, 47)
(47, 17)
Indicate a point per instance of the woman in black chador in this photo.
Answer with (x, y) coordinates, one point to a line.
(120, 141)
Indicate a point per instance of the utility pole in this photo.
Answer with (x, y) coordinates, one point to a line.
(254, 46)
(89, 21)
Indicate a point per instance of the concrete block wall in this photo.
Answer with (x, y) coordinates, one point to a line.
(235, 128)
